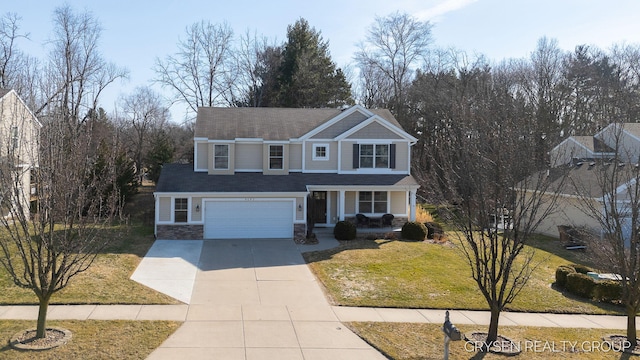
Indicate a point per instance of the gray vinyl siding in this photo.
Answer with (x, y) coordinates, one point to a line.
(164, 211)
(341, 126)
(374, 131)
(295, 156)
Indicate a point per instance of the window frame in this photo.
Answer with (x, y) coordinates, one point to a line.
(179, 210)
(275, 157)
(374, 157)
(371, 202)
(215, 167)
(315, 156)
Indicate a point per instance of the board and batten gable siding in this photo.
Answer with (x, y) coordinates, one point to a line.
(341, 126)
(164, 209)
(374, 130)
(248, 157)
(321, 165)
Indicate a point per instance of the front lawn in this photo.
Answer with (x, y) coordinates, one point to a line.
(107, 281)
(402, 341)
(93, 339)
(393, 273)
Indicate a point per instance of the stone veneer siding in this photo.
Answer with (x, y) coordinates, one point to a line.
(180, 232)
(196, 232)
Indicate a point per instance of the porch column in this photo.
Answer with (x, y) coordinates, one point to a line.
(341, 206)
(412, 204)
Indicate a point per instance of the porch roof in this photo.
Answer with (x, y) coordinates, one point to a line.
(176, 178)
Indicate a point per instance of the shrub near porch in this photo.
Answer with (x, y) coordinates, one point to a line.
(385, 273)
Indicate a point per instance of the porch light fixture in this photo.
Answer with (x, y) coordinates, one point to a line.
(197, 208)
(299, 207)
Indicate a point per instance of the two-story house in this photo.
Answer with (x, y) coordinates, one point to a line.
(257, 171)
(19, 131)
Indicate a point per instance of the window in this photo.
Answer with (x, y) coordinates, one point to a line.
(372, 202)
(374, 156)
(14, 137)
(180, 210)
(221, 157)
(320, 152)
(276, 157)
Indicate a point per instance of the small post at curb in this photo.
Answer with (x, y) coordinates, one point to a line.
(451, 333)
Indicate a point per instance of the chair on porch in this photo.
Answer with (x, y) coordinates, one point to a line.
(387, 220)
(362, 220)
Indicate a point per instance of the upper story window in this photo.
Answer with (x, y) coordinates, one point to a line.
(320, 152)
(180, 210)
(374, 156)
(221, 157)
(276, 157)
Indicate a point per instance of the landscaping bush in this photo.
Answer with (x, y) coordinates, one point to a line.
(561, 274)
(344, 230)
(433, 229)
(607, 290)
(580, 284)
(414, 231)
(582, 269)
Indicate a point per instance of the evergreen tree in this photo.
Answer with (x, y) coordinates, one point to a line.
(162, 152)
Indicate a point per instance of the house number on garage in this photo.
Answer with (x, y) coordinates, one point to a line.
(249, 199)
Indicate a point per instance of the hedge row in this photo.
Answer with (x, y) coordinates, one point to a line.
(575, 280)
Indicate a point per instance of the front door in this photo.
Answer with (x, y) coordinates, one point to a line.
(319, 206)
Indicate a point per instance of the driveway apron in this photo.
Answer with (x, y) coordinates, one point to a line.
(257, 299)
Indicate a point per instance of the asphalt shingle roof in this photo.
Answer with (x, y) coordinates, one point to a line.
(182, 178)
(266, 123)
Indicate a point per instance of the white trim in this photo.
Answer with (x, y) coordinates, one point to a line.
(249, 140)
(213, 160)
(326, 156)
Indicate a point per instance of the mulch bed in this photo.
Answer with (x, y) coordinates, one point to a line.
(26, 340)
(620, 343)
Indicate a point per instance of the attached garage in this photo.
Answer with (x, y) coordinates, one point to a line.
(240, 218)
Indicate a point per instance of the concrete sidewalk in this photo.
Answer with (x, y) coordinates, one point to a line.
(322, 313)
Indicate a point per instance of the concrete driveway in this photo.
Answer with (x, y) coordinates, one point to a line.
(250, 299)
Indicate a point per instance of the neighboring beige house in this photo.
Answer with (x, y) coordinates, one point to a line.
(256, 170)
(19, 131)
(584, 159)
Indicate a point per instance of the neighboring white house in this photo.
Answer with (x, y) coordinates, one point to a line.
(257, 170)
(19, 131)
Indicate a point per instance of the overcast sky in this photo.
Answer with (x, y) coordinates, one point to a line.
(138, 31)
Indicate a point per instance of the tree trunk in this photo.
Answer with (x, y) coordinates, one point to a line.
(631, 327)
(42, 317)
(492, 334)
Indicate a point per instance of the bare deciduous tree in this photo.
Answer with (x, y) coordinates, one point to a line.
(62, 239)
(610, 195)
(200, 72)
(486, 173)
(395, 45)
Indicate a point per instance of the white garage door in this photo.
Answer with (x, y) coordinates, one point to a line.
(227, 219)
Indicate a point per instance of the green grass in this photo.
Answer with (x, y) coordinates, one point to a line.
(94, 339)
(402, 341)
(107, 281)
(392, 273)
